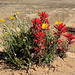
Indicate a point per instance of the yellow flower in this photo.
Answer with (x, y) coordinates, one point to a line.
(0, 37)
(12, 26)
(3, 24)
(18, 34)
(17, 13)
(44, 26)
(12, 18)
(5, 27)
(24, 40)
(58, 23)
(22, 25)
(2, 20)
(7, 33)
(39, 12)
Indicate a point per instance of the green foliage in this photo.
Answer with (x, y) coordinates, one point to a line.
(18, 42)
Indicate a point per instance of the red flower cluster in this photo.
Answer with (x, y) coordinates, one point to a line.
(36, 24)
(60, 45)
(63, 47)
(43, 15)
(60, 29)
(70, 37)
(39, 34)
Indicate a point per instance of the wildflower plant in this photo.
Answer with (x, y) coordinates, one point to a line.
(34, 42)
(62, 47)
(17, 42)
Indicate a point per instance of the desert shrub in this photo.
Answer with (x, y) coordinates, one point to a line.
(32, 43)
(17, 42)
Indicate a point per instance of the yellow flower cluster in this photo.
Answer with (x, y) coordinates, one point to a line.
(22, 25)
(6, 28)
(17, 13)
(12, 18)
(44, 26)
(6, 34)
(18, 34)
(24, 40)
(58, 22)
(0, 37)
(3, 24)
(39, 12)
(2, 20)
(12, 26)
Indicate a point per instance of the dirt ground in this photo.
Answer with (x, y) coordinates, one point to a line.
(63, 10)
(59, 67)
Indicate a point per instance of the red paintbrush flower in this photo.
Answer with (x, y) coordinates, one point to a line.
(46, 21)
(36, 21)
(39, 27)
(42, 40)
(36, 49)
(61, 27)
(70, 37)
(36, 41)
(43, 15)
(39, 34)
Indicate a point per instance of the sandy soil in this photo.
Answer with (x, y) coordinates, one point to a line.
(59, 67)
(63, 10)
